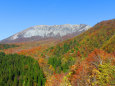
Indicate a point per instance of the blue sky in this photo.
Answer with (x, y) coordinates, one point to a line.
(17, 15)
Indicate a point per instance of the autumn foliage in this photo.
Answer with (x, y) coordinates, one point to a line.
(90, 71)
(85, 60)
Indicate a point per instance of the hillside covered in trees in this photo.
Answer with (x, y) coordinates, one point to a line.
(19, 70)
(85, 60)
(97, 45)
(6, 46)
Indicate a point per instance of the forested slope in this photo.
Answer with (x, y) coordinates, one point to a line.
(87, 59)
(19, 70)
(95, 37)
(6, 46)
(101, 36)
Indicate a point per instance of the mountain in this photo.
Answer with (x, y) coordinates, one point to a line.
(87, 59)
(41, 32)
(99, 36)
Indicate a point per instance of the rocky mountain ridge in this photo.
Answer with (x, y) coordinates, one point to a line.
(39, 32)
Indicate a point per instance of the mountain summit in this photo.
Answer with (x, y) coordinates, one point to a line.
(45, 31)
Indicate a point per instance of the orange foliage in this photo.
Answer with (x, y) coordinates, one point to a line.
(55, 80)
(84, 70)
(42, 62)
(98, 56)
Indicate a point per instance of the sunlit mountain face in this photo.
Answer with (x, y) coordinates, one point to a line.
(41, 32)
